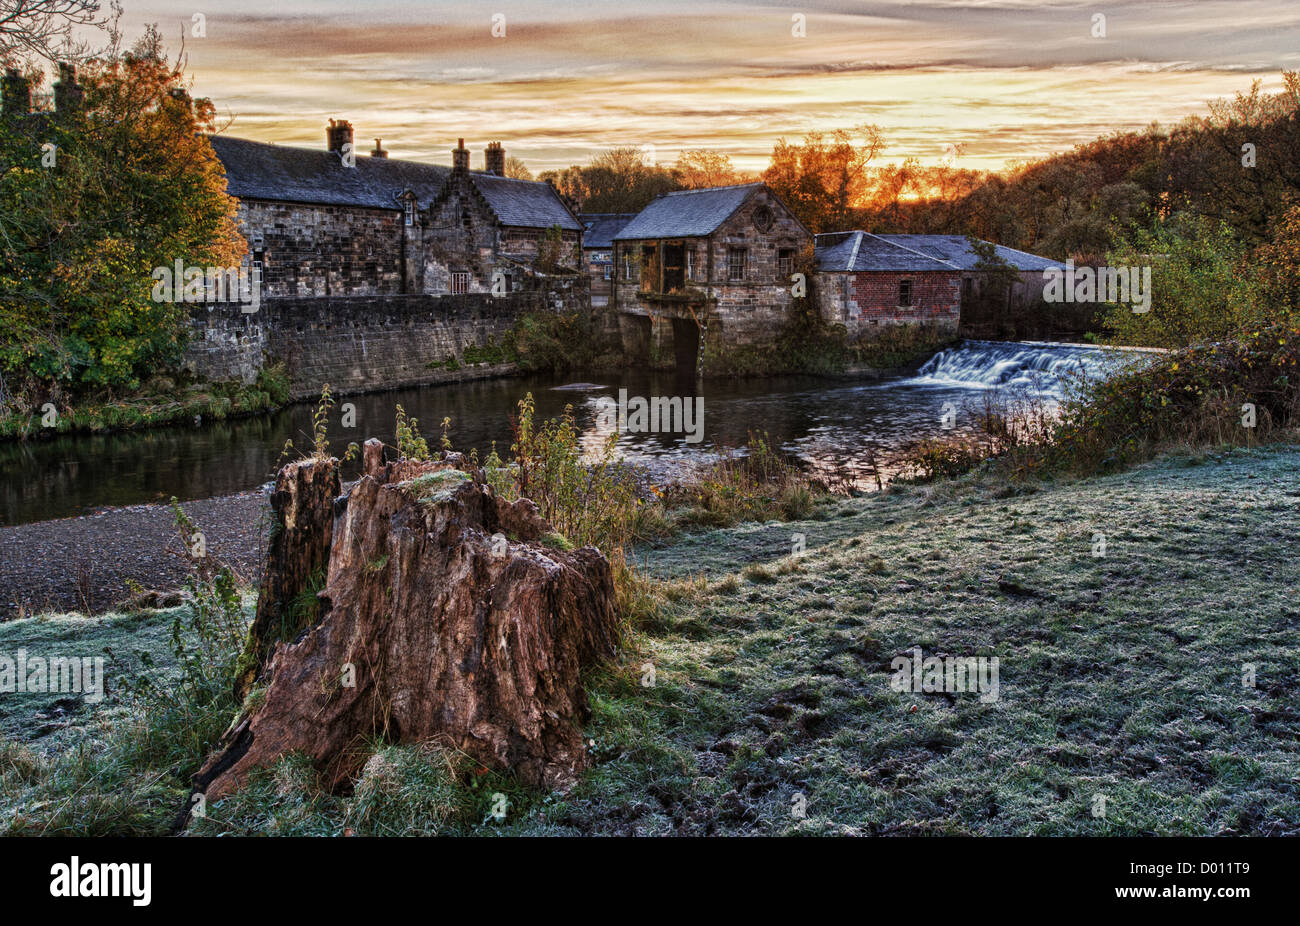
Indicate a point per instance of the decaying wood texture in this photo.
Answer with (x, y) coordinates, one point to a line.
(447, 614)
(298, 549)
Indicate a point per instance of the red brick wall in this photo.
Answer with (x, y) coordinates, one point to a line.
(935, 297)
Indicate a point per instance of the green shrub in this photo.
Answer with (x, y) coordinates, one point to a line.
(553, 342)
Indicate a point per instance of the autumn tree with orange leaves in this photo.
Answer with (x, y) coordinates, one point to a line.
(824, 178)
(93, 199)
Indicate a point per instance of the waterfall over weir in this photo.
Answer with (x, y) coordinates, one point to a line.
(1035, 366)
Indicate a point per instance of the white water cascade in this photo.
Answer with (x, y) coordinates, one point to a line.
(1041, 367)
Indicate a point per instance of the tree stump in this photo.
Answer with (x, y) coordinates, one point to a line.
(447, 615)
(298, 549)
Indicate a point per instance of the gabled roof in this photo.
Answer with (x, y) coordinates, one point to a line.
(601, 227)
(525, 203)
(956, 250)
(687, 213)
(280, 173)
(859, 250)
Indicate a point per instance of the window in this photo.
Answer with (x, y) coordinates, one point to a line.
(784, 262)
(628, 270)
(609, 271)
(904, 292)
(459, 281)
(736, 263)
(690, 263)
(259, 263)
(409, 211)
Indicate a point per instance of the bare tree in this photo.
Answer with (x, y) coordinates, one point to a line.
(47, 28)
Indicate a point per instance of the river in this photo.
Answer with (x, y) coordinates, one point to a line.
(824, 422)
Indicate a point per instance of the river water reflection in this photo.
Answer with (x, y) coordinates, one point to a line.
(821, 421)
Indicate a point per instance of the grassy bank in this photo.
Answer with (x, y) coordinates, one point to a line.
(1121, 676)
(162, 402)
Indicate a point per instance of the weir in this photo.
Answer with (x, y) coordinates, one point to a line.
(1037, 366)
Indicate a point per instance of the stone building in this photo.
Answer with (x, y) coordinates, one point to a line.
(867, 281)
(713, 263)
(380, 273)
(330, 222)
(598, 231)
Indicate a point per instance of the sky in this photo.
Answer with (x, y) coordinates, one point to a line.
(982, 84)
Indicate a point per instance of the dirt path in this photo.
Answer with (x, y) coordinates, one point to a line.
(85, 562)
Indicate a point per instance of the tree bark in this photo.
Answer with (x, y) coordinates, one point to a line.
(298, 549)
(447, 615)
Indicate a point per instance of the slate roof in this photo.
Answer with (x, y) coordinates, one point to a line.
(601, 227)
(282, 173)
(955, 249)
(525, 203)
(686, 213)
(858, 251)
(854, 251)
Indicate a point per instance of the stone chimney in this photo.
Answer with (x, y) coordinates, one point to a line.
(460, 157)
(15, 94)
(494, 159)
(379, 151)
(68, 93)
(338, 134)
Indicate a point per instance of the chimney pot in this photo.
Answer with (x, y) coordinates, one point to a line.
(494, 159)
(338, 134)
(379, 151)
(460, 157)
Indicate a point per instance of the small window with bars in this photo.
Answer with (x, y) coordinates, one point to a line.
(904, 292)
(459, 281)
(784, 262)
(736, 263)
(409, 211)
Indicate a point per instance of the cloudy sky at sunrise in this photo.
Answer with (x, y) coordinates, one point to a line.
(1004, 79)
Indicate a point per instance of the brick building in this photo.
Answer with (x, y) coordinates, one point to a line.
(865, 281)
(320, 223)
(712, 263)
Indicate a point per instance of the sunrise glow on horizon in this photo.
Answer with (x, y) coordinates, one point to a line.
(1001, 81)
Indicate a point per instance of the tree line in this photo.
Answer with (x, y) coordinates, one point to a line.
(1211, 204)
